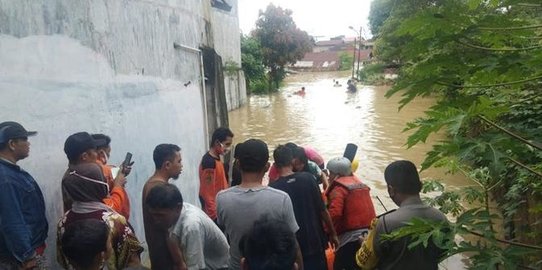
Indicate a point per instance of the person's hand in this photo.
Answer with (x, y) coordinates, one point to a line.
(126, 168)
(363, 237)
(30, 264)
(120, 180)
(334, 241)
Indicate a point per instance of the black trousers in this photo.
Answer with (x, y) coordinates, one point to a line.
(345, 257)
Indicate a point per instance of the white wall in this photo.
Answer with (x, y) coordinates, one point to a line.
(56, 86)
(105, 66)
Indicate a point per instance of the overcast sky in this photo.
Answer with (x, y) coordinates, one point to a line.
(317, 17)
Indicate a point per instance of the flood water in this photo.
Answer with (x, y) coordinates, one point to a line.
(327, 118)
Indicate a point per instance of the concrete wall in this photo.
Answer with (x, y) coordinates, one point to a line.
(226, 35)
(107, 66)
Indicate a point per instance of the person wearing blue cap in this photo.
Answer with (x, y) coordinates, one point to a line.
(23, 224)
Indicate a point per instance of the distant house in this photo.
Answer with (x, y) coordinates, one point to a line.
(325, 54)
(318, 61)
(328, 45)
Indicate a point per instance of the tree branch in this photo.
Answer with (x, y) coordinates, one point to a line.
(525, 167)
(498, 49)
(490, 85)
(511, 28)
(519, 138)
(517, 244)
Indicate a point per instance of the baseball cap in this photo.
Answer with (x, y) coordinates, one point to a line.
(253, 154)
(80, 142)
(13, 130)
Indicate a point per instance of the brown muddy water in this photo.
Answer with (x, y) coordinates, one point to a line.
(327, 118)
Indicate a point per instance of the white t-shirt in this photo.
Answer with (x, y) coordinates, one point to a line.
(203, 244)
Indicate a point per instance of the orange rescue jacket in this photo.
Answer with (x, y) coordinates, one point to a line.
(350, 205)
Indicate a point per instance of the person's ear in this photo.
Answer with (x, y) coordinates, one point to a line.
(244, 264)
(167, 165)
(391, 190)
(179, 208)
(267, 166)
(295, 266)
(84, 156)
(11, 144)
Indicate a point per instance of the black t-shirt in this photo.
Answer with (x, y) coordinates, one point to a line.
(308, 206)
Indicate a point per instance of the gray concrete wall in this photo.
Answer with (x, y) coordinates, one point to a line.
(106, 66)
(226, 35)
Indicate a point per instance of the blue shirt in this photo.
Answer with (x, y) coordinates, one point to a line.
(23, 225)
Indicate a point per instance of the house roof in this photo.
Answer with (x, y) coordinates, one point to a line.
(329, 43)
(318, 60)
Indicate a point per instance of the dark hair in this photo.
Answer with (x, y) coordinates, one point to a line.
(269, 245)
(106, 140)
(164, 152)
(83, 240)
(220, 134)
(283, 156)
(164, 196)
(299, 153)
(253, 155)
(403, 176)
(291, 145)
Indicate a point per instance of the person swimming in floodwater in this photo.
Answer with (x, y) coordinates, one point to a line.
(300, 92)
(336, 84)
(351, 86)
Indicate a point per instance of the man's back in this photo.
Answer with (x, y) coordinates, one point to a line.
(308, 206)
(395, 254)
(203, 244)
(238, 208)
(156, 238)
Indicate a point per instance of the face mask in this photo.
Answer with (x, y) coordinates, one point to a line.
(90, 179)
(223, 149)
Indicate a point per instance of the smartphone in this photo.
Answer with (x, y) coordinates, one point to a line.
(127, 159)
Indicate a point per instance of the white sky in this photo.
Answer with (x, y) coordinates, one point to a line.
(317, 17)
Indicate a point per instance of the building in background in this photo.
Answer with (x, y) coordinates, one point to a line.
(326, 54)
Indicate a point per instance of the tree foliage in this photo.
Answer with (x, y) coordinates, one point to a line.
(282, 42)
(482, 61)
(252, 63)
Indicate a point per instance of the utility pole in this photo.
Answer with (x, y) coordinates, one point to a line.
(354, 59)
(359, 51)
(359, 54)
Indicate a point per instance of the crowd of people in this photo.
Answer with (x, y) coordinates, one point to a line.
(242, 223)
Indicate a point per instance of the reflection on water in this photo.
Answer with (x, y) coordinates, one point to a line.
(327, 118)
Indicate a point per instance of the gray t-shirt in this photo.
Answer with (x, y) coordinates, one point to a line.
(238, 208)
(203, 244)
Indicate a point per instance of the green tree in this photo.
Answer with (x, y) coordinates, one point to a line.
(282, 42)
(252, 63)
(346, 60)
(379, 12)
(482, 61)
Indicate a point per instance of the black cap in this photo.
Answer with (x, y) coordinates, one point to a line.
(252, 153)
(12, 130)
(80, 142)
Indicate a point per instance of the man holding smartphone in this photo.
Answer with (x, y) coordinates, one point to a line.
(118, 199)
